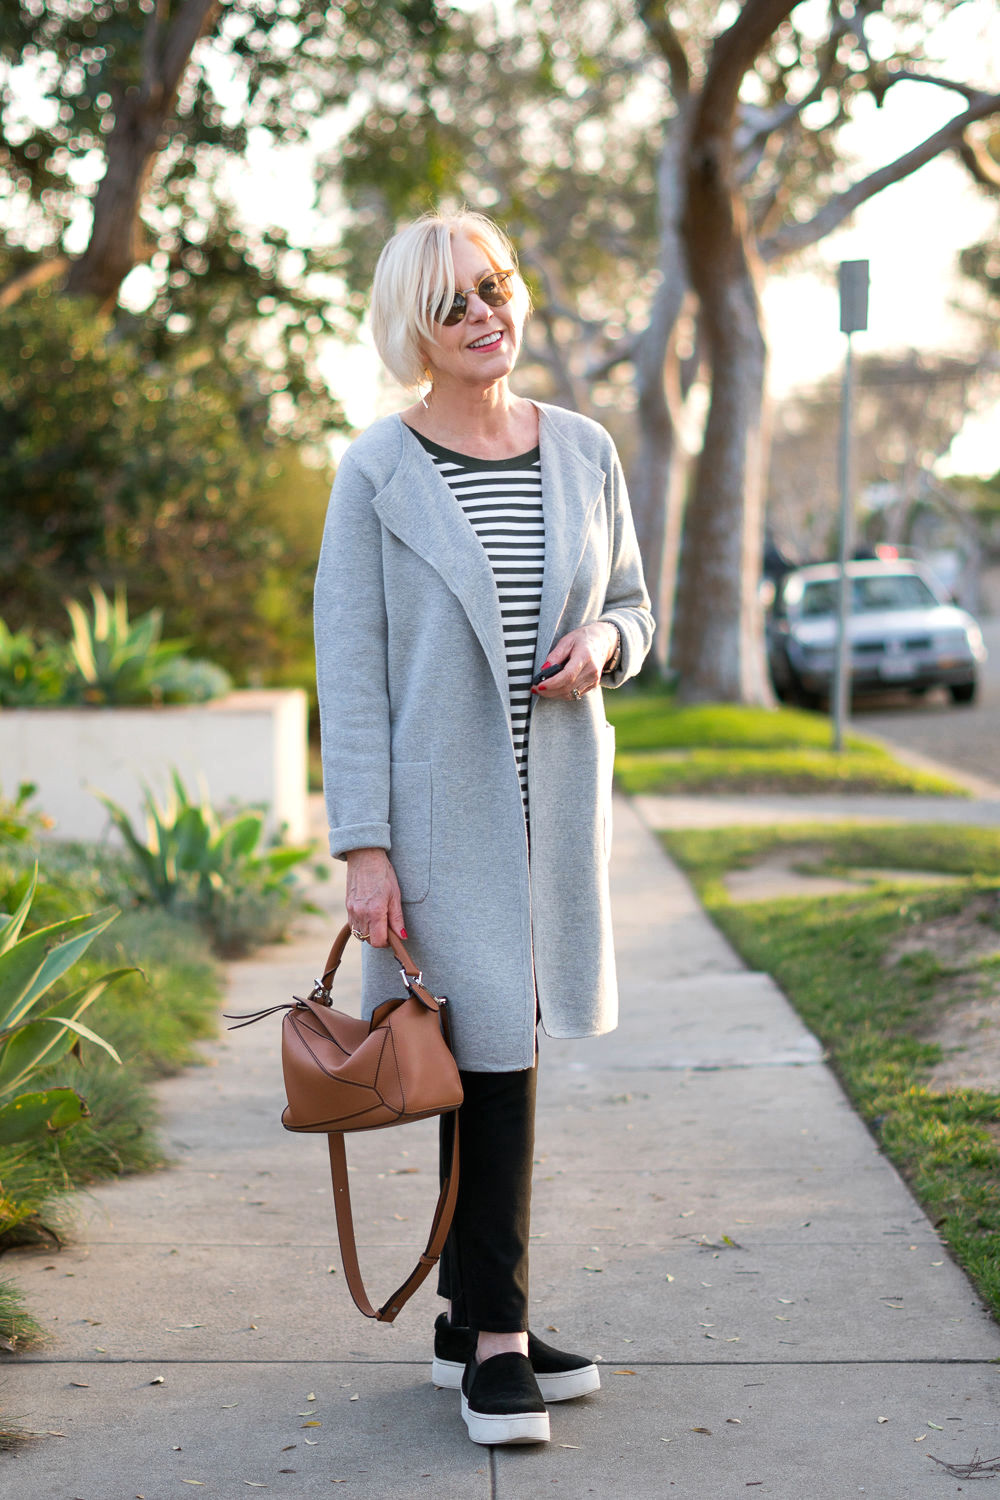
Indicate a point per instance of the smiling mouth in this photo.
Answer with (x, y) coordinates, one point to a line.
(488, 341)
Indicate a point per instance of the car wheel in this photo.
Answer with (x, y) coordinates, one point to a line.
(964, 692)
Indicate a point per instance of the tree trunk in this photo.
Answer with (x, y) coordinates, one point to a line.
(141, 116)
(115, 243)
(719, 637)
(656, 482)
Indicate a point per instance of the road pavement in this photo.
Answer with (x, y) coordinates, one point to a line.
(772, 1309)
(966, 737)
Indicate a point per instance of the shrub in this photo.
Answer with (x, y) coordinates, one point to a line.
(192, 860)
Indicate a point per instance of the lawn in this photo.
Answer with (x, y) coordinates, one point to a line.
(670, 748)
(857, 971)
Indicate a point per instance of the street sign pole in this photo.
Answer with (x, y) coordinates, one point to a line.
(853, 319)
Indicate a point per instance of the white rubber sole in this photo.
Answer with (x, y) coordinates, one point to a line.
(489, 1428)
(565, 1386)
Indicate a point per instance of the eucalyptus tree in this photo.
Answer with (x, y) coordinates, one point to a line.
(752, 172)
(156, 349)
(657, 161)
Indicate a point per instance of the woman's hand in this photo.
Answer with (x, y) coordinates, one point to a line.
(373, 899)
(584, 653)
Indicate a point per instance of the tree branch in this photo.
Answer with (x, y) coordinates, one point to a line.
(984, 168)
(37, 275)
(795, 237)
(733, 53)
(912, 75)
(656, 19)
(196, 18)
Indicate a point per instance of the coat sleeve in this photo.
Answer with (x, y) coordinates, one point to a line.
(626, 602)
(351, 672)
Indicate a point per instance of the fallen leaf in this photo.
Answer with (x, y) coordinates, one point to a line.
(312, 1424)
(687, 1214)
(288, 1447)
(99, 1350)
(780, 1318)
(935, 1426)
(706, 1283)
(567, 1445)
(551, 1328)
(311, 1396)
(251, 1328)
(666, 1440)
(83, 1384)
(55, 1434)
(183, 1328)
(596, 1269)
(231, 1407)
(354, 1398)
(254, 1484)
(786, 1302)
(312, 1442)
(937, 1262)
(897, 1305)
(706, 1430)
(881, 1419)
(156, 1380)
(920, 1438)
(736, 1421)
(623, 1372)
(308, 1413)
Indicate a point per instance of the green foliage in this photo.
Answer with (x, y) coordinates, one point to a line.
(109, 659)
(830, 957)
(34, 1035)
(18, 822)
(192, 860)
(18, 1330)
(32, 672)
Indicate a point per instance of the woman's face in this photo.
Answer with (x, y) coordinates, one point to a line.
(483, 348)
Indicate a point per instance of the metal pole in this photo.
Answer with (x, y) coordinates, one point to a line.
(842, 665)
(853, 282)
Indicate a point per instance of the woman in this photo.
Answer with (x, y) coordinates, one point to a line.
(472, 541)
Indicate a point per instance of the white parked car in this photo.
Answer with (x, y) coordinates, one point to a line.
(903, 631)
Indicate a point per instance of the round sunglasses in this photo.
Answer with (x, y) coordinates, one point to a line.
(494, 289)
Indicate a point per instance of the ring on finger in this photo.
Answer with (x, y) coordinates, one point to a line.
(362, 936)
(576, 694)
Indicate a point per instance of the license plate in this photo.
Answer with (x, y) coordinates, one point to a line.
(897, 668)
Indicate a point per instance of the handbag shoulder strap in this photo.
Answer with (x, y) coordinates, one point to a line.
(440, 1225)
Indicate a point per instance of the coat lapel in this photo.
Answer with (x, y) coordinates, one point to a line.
(571, 488)
(418, 507)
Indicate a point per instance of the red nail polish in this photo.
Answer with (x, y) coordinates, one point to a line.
(402, 932)
(546, 664)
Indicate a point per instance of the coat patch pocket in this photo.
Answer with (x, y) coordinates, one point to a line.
(410, 826)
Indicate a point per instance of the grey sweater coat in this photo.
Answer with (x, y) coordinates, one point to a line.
(417, 751)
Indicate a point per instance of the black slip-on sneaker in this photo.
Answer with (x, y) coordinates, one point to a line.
(501, 1402)
(560, 1376)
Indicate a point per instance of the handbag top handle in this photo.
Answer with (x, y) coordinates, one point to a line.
(412, 976)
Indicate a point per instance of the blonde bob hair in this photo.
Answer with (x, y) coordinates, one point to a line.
(415, 275)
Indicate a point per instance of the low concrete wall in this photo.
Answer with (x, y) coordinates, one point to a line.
(249, 747)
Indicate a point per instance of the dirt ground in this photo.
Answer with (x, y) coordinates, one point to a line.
(967, 1027)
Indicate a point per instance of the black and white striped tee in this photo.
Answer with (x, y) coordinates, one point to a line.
(502, 499)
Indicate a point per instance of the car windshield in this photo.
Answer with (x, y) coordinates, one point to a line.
(877, 592)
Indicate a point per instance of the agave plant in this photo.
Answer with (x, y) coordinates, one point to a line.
(32, 1034)
(190, 856)
(116, 660)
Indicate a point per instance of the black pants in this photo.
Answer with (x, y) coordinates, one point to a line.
(484, 1265)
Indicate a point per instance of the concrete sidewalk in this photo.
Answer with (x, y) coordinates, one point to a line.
(711, 1218)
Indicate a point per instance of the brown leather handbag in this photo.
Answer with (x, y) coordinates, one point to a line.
(345, 1074)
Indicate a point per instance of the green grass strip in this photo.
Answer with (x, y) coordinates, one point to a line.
(670, 748)
(829, 957)
(766, 772)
